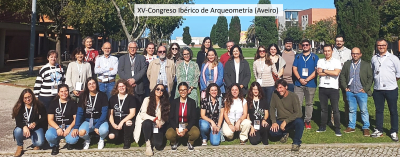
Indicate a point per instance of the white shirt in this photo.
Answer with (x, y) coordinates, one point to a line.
(329, 81)
(342, 55)
(236, 110)
(237, 66)
(103, 65)
(388, 66)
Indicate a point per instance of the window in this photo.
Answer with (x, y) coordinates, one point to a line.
(291, 15)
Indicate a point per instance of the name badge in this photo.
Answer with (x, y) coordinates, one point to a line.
(304, 72)
(259, 81)
(63, 127)
(105, 78)
(257, 124)
(351, 80)
(327, 78)
(78, 86)
(133, 73)
(54, 89)
(29, 124)
(182, 127)
(91, 123)
(155, 129)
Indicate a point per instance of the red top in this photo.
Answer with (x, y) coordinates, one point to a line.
(180, 113)
(224, 58)
(91, 57)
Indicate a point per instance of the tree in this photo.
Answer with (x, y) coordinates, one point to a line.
(265, 28)
(251, 33)
(221, 31)
(234, 29)
(322, 31)
(358, 21)
(212, 33)
(187, 39)
(162, 27)
(292, 31)
(390, 19)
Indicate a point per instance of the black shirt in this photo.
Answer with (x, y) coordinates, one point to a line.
(101, 102)
(277, 65)
(205, 104)
(261, 105)
(40, 118)
(129, 103)
(59, 117)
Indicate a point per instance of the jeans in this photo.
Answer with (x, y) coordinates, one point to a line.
(106, 88)
(391, 98)
(205, 128)
(37, 136)
(147, 130)
(362, 100)
(260, 136)
(268, 91)
(290, 87)
(46, 101)
(308, 93)
(333, 95)
(103, 129)
(297, 125)
(54, 139)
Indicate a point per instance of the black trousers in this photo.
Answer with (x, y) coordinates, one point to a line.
(155, 138)
(331, 94)
(261, 136)
(126, 131)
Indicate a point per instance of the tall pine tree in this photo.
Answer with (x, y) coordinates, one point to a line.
(358, 22)
(187, 39)
(234, 29)
(221, 32)
(266, 30)
(212, 33)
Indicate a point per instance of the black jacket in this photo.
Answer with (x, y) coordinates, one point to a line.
(192, 118)
(244, 74)
(39, 118)
(200, 58)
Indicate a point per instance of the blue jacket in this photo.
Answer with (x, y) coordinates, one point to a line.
(220, 77)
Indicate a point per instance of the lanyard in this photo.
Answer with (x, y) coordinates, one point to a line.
(305, 60)
(94, 104)
(186, 69)
(262, 70)
(215, 105)
(209, 72)
(120, 105)
(258, 105)
(355, 67)
(28, 114)
(80, 68)
(132, 60)
(381, 61)
(62, 111)
(183, 109)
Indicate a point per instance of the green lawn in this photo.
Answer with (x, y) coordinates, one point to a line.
(247, 52)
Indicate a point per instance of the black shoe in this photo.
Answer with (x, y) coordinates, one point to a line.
(127, 145)
(54, 150)
(190, 147)
(174, 146)
(69, 146)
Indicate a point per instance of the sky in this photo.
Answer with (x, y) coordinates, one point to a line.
(201, 26)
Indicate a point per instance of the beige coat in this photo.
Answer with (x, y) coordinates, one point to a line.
(142, 115)
(154, 70)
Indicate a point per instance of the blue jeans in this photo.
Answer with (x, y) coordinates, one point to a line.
(54, 139)
(37, 136)
(205, 128)
(290, 87)
(103, 129)
(391, 98)
(106, 88)
(362, 100)
(268, 91)
(297, 125)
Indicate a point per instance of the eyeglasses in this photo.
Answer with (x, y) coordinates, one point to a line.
(131, 48)
(305, 45)
(174, 48)
(27, 98)
(356, 54)
(186, 54)
(161, 51)
(381, 45)
(182, 90)
(262, 51)
(159, 89)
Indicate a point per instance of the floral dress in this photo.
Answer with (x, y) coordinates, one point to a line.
(188, 73)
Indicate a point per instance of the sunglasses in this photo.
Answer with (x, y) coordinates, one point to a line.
(305, 44)
(161, 51)
(159, 89)
(174, 48)
(262, 51)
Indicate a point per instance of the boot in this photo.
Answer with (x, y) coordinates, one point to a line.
(127, 144)
(19, 151)
(148, 152)
(36, 148)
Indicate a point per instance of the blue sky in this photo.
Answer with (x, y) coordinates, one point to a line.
(201, 26)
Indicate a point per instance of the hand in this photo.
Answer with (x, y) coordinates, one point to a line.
(75, 133)
(183, 133)
(26, 132)
(76, 93)
(111, 69)
(32, 125)
(60, 132)
(66, 132)
(190, 90)
(131, 81)
(361, 90)
(134, 85)
(158, 124)
(252, 132)
(319, 70)
(97, 131)
(264, 123)
(232, 128)
(115, 126)
(283, 125)
(348, 90)
(120, 125)
(237, 125)
(241, 86)
(216, 130)
(178, 132)
(274, 127)
(303, 82)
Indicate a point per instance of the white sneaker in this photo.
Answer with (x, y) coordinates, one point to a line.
(394, 137)
(204, 143)
(100, 145)
(86, 144)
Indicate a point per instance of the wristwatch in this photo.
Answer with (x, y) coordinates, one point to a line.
(323, 70)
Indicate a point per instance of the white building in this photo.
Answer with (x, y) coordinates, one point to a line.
(195, 40)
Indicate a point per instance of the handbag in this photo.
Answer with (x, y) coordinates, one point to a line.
(274, 75)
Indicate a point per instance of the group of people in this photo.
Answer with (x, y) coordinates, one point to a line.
(157, 95)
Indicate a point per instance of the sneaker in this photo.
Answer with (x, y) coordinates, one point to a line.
(308, 125)
(295, 147)
(284, 138)
(366, 132)
(55, 150)
(394, 137)
(174, 146)
(321, 129)
(377, 133)
(69, 146)
(190, 147)
(100, 145)
(204, 143)
(242, 142)
(338, 133)
(86, 144)
(349, 130)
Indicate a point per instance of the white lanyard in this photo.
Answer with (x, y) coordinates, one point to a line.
(63, 111)
(258, 105)
(262, 70)
(93, 105)
(211, 108)
(355, 68)
(80, 68)
(183, 109)
(305, 60)
(381, 61)
(186, 69)
(119, 102)
(28, 114)
(132, 60)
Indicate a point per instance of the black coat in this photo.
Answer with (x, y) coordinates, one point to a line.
(192, 118)
(244, 74)
(201, 56)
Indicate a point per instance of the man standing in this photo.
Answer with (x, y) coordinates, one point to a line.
(328, 70)
(225, 57)
(357, 78)
(106, 67)
(288, 55)
(304, 67)
(161, 71)
(286, 104)
(343, 54)
(386, 68)
(132, 67)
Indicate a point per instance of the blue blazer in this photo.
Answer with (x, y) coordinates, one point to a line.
(220, 77)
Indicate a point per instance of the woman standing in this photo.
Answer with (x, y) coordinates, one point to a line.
(48, 79)
(202, 54)
(188, 71)
(212, 115)
(151, 119)
(77, 73)
(212, 71)
(30, 119)
(183, 119)
(263, 69)
(122, 109)
(149, 52)
(173, 52)
(276, 58)
(258, 115)
(237, 70)
(92, 113)
(91, 53)
(235, 115)
(61, 118)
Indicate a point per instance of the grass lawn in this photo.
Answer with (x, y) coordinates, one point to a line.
(247, 52)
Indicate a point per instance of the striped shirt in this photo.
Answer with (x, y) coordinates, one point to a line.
(48, 76)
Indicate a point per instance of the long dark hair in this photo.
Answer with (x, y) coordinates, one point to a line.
(268, 60)
(170, 55)
(128, 88)
(86, 92)
(203, 48)
(209, 88)
(231, 52)
(216, 60)
(35, 103)
(144, 53)
(278, 51)
(164, 102)
(229, 97)
(250, 95)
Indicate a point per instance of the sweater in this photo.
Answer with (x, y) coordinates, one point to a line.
(46, 79)
(288, 108)
(72, 75)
